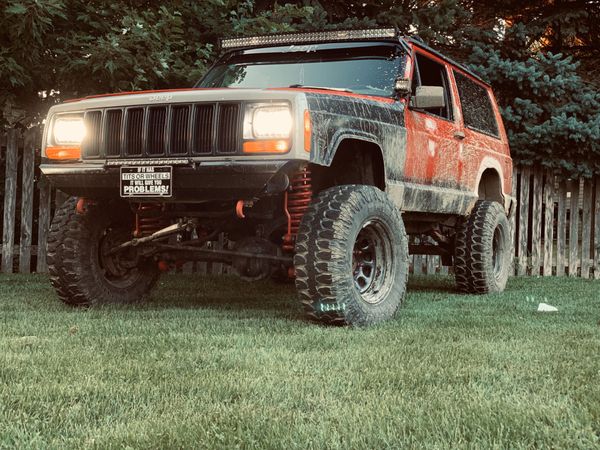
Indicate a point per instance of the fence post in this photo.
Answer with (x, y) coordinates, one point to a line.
(561, 229)
(597, 231)
(536, 222)
(586, 229)
(513, 223)
(574, 229)
(523, 220)
(10, 195)
(27, 203)
(43, 224)
(548, 223)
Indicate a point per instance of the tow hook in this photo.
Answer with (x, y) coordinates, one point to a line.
(240, 205)
(83, 205)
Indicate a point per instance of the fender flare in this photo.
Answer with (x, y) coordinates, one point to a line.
(340, 135)
(491, 163)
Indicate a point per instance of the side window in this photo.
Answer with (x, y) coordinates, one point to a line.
(430, 73)
(477, 109)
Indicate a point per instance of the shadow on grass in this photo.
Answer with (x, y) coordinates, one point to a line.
(229, 293)
(431, 283)
(224, 293)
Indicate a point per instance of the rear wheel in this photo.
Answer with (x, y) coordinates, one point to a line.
(82, 270)
(483, 250)
(351, 257)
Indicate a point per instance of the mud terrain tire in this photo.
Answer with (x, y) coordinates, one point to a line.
(74, 262)
(351, 257)
(483, 250)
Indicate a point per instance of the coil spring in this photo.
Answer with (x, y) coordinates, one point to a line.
(297, 200)
(148, 219)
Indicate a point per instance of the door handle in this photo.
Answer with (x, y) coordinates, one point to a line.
(459, 135)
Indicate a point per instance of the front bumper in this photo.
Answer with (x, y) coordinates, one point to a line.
(193, 181)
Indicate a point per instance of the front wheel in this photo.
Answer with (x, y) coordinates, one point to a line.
(351, 257)
(82, 270)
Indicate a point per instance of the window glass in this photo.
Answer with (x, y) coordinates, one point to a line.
(477, 109)
(370, 70)
(431, 73)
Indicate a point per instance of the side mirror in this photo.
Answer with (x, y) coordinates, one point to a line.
(429, 97)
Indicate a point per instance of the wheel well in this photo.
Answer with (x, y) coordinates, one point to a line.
(490, 186)
(355, 162)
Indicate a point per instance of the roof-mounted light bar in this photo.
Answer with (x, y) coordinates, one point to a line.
(309, 38)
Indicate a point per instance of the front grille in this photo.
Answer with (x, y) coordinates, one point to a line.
(160, 131)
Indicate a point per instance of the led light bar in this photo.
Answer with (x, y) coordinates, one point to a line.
(312, 37)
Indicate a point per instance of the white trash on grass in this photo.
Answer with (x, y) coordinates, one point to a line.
(545, 307)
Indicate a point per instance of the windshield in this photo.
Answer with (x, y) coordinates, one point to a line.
(363, 68)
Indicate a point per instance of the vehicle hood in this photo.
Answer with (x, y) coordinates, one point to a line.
(148, 98)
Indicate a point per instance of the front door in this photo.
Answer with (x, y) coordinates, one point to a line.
(434, 134)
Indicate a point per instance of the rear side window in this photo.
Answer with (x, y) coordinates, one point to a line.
(476, 104)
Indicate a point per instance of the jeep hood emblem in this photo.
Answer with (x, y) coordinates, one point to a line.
(160, 98)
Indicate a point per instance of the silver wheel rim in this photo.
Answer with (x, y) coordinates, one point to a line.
(373, 262)
(497, 252)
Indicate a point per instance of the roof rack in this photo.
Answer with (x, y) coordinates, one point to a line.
(315, 37)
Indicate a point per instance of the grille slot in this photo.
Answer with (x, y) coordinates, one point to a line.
(228, 135)
(203, 129)
(114, 119)
(134, 132)
(180, 126)
(90, 146)
(157, 119)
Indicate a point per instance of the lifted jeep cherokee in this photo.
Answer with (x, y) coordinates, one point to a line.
(325, 157)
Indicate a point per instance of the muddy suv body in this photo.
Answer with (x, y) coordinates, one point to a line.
(324, 157)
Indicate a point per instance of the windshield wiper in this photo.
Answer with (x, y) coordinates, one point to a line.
(320, 87)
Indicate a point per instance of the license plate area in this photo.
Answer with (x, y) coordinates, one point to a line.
(146, 181)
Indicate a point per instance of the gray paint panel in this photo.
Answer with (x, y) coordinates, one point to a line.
(336, 117)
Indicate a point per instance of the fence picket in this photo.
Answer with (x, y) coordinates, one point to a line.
(536, 222)
(523, 220)
(10, 201)
(513, 221)
(27, 204)
(561, 229)
(43, 223)
(574, 229)
(586, 229)
(548, 223)
(596, 217)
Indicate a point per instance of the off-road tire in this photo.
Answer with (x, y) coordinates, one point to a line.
(325, 256)
(73, 261)
(483, 250)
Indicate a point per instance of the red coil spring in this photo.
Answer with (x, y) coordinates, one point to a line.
(148, 219)
(297, 199)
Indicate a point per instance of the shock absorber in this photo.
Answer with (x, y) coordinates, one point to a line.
(148, 219)
(296, 201)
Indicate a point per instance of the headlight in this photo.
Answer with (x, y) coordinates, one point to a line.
(68, 130)
(268, 122)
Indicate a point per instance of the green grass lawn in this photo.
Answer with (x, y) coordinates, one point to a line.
(218, 363)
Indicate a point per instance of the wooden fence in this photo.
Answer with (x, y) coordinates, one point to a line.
(556, 225)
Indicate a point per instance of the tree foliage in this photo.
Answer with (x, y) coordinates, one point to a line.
(540, 55)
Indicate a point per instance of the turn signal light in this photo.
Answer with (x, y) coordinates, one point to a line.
(267, 146)
(307, 130)
(63, 152)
